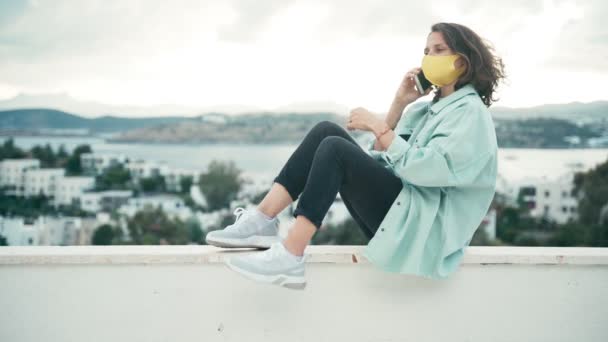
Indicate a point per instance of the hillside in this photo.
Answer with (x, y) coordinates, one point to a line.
(246, 128)
(35, 119)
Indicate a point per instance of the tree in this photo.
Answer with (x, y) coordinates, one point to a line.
(347, 232)
(61, 152)
(9, 150)
(103, 235)
(220, 184)
(73, 165)
(598, 235)
(185, 183)
(115, 177)
(151, 226)
(195, 231)
(591, 188)
(44, 154)
(154, 183)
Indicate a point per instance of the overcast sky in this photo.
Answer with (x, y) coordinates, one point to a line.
(272, 53)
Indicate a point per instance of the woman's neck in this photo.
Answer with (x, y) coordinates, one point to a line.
(446, 90)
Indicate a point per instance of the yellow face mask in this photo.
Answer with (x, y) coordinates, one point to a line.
(440, 70)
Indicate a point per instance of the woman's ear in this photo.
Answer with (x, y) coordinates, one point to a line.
(460, 62)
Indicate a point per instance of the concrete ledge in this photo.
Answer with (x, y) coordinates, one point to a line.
(184, 293)
(201, 254)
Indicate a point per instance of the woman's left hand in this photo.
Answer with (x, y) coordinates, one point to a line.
(361, 118)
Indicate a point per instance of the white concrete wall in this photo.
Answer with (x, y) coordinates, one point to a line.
(185, 293)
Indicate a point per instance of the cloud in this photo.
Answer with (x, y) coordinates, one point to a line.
(583, 39)
(250, 19)
(51, 29)
(275, 52)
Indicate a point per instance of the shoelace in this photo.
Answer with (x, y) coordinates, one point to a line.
(270, 253)
(240, 213)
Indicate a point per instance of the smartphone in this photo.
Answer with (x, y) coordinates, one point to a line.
(421, 82)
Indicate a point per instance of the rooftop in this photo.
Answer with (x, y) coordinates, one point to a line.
(185, 293)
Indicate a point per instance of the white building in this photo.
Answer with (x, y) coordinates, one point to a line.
(214, 118)
(509, 190)
(12, 174)
(337, 212)
(551, 198)
(20, 231)
(197, 196)
(70, 189)
(144, 169)
(47, 231)
(210, 219)
(42, 181)
(171, 205)
(96, 163)
(174, 176)
(107, 201)
(488, 224)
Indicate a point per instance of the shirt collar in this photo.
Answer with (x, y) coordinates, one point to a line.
(461, 92)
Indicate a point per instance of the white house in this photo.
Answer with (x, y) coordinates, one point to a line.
(109, 200)
(337, 212)
(42, 181)
(19, 231)
(144, 169)
(69, 189)
(47, 231)
(12, 174)
(96, 163)
(207, 220)
(197, 196)
(489, 224)
(173, 177)
(171, 205)
(551, 198)
(214, 118)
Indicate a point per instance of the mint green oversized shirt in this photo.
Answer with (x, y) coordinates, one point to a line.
(448, 168)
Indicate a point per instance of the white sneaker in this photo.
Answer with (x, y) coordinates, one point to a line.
(249, 230)
(275, 266)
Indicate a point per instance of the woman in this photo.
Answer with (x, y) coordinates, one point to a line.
(420, 190)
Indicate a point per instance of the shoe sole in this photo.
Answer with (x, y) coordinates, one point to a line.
(290, 282)
(256, 241)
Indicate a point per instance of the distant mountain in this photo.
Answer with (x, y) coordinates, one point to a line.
(240, 129)
(66, 103)
(38, 119)
(576, 126)
(313, 107)
(574, 111)
(568, 125)
(211, 127)
(577, 112)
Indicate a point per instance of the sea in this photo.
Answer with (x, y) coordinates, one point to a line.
(264, 161)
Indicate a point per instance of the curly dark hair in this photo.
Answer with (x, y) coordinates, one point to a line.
(484, 68)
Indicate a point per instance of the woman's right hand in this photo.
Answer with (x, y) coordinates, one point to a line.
(407, 91)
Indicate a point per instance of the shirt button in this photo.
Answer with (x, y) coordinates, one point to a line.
(398, 203)
(382, 229)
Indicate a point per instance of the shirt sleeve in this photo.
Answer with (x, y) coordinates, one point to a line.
(403, 126)
(378, 155)
(454, 155)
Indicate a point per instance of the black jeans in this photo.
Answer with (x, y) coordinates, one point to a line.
(329, 161)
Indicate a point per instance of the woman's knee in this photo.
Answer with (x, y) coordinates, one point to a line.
(331, 144)
(328, 127)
